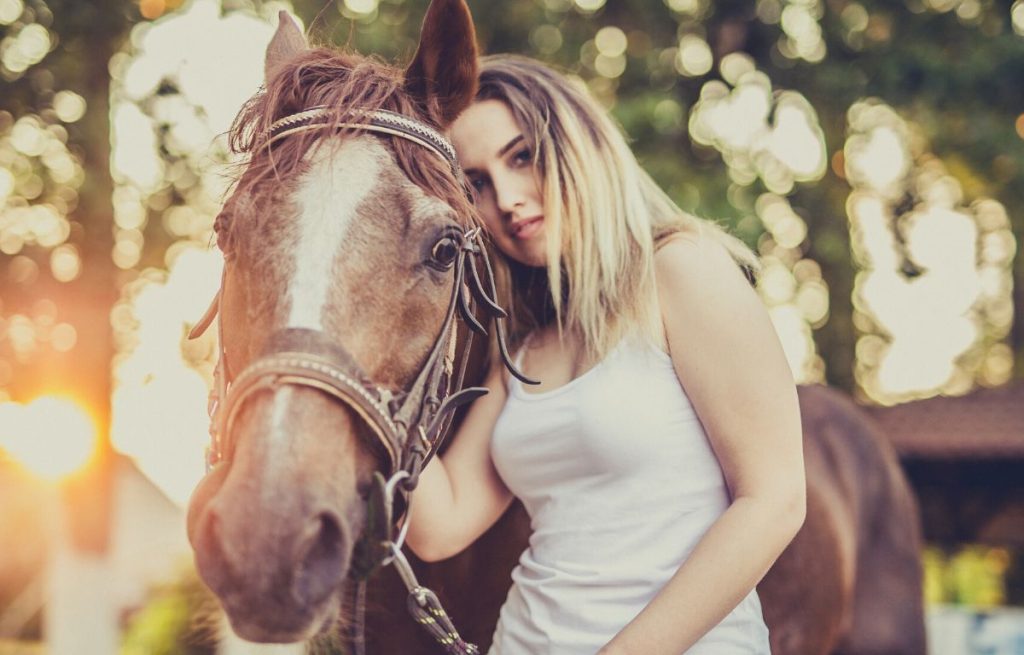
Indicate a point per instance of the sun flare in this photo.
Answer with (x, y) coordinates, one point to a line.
(51, 436)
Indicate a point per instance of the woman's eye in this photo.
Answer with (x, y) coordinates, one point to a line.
(523, 157)
(477, 183)
(444, 253)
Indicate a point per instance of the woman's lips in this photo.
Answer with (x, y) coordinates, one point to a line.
(526, 229)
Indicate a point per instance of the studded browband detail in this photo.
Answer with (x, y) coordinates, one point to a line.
(380, 120)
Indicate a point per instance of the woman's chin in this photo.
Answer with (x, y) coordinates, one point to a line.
(532, 252)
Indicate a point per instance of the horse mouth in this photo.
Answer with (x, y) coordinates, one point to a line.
(277, 587)
(271, 625)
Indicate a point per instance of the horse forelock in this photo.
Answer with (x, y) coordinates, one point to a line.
(346, 84)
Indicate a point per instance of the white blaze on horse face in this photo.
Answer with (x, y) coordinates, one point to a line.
(338, 180)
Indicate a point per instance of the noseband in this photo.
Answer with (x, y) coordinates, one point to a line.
(408, 425)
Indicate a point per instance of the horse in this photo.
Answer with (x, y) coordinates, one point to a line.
(350, 247)
(347, 232)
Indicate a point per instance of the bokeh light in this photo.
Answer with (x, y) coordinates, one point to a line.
(361, 6)
(10, 11)
(50, 436)
(791, 286)
(589, 5)
(24, 48)
(546, 39)
(802, 35)
(736, 122)
(159, 401)
(693, 56)
(932, 300)
(171, 109)
(1017, 17)
(690, 8)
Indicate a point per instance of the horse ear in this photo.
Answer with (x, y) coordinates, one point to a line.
(288, 41)
(442, 75)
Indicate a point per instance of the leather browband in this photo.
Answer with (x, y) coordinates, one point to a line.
(380, 120)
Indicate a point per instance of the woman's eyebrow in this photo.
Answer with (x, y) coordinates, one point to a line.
(511, 144)
(501, 153)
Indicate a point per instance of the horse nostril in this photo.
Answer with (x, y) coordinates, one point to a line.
(322, 561)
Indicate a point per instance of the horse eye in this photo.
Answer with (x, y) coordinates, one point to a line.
(444, 253)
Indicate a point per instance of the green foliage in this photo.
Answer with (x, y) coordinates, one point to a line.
(156, 628)
(178, 619)
(973, 576)
(948, 67)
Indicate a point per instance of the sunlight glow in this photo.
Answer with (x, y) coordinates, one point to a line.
(159, 403)
(134, 158)
(879, 160)
(787, 149)
(932, 299)
(794, 140)
(361, 6)
(547, 39)
(691, 7)
(10, 10)
(791, 286)
(774, 137)
(802, 36)
(65, 263)
(611, 41)
(693, 57)
(27, 48)
(169, 161)
(52, 437)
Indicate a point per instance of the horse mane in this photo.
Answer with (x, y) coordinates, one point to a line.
(346, 84)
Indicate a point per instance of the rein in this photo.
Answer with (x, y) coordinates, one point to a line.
(408, 425)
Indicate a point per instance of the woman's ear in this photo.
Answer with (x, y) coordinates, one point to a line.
(443, 74)
(288, 41)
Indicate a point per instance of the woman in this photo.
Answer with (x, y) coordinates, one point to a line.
(660, 457)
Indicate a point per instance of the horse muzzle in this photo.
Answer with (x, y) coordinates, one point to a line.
(282, 592)
(273, 527)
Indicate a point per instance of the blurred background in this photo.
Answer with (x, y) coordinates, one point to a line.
(871, 151)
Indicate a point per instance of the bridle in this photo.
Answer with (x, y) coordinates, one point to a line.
(408, 425)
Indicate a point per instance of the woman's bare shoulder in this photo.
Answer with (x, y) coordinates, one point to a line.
(691, 266)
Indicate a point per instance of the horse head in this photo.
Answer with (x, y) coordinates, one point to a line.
(344, 251)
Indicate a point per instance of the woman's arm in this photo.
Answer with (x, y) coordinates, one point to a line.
(460, 495)
(729, 360)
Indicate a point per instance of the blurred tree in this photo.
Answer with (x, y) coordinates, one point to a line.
(59, 283)
(946, 66)
(742, 110)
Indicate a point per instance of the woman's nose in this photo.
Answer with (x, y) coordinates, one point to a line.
(508, 195)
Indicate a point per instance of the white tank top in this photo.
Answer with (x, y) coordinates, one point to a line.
(620, 482)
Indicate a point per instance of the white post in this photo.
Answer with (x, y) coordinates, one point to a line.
(80, 614)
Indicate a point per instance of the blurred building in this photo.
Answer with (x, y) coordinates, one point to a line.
(77, 590)
(964, 457)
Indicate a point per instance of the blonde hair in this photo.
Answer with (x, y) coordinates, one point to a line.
(604, 213)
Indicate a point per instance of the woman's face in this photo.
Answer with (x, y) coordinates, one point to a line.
(499, 166)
